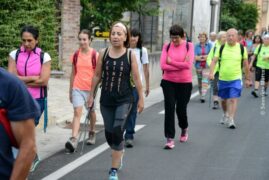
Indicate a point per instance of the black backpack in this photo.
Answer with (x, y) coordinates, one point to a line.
(242, 54)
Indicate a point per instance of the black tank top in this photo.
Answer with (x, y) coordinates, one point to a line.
(116, 86)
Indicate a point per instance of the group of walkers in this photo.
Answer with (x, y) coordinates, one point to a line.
(121, 70)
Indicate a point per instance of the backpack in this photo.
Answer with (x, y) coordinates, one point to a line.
(256, 57)
(242, 54)
(7, 127)
(75, 60)
(187, 46)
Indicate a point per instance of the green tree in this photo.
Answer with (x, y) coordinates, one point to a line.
(16, 13)
(238, 14)
(103, 13)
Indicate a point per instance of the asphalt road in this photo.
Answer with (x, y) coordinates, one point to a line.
(213, 151)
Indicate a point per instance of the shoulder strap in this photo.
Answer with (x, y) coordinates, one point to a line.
(42, 57)
(220, 53)
(242, 49)
(129, 56)
(105, 55)
(141, 54)
(214, 50)
(7, 126)
(168, 47)
(187, 46)
(17, 55)
(75, 60)
(259, 50)
(93, 59)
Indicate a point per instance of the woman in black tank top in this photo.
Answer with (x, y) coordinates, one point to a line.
(115, 66)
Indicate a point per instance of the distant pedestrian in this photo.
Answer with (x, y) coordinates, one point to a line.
(202, 50)
(115, 66)
(141, 54)
(176, 62)
(212, 38)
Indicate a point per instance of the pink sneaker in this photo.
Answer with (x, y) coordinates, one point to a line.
(170, 144)
(184, 135)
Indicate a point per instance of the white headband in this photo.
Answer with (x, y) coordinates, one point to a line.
(119, 24)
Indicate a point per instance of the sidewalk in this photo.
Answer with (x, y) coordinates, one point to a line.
(61, 113)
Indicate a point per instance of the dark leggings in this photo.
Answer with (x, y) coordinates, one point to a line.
(115, 118)
(175, 94)
(215, 84)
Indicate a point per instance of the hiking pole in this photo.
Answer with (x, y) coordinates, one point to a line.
(45, 110)
(86, 124)
(210, 93)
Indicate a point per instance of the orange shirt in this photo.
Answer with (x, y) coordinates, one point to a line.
(84, 74)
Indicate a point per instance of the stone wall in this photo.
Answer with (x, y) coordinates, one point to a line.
(70, 25)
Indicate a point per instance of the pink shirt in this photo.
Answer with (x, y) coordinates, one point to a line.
(179, 70)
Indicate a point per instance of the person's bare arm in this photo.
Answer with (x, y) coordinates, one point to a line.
(43, 78)
(247, 73)
(146, 74)
(12, 69)
(138, 83)
(212, 68)
(24, 132)
(72, 76)
(96, 78)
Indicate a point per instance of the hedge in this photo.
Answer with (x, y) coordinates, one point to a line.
(42, 14)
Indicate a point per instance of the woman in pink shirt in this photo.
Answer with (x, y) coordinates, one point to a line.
(176, 63)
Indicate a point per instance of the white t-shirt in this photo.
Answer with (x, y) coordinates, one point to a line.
(47, 57)
(140, 62)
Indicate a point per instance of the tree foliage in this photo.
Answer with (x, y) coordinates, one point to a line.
(103, 13)
(16, 13)
(238, 14)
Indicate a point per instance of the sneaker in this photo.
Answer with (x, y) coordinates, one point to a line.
(231, 124)
(184, 135)
(129, 143)
(202, 100)
(35, 163)
(92, 138)
(71, 145)
(170, 144)
(216, 105)
(224, 119)
(254, 93)
(113, 175)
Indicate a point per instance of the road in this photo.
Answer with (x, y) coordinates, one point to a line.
(213, 151)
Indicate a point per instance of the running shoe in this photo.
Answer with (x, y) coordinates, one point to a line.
(216, 105)
(129, 143)
(184, 135)
(113, 175)
(170, 144)
(202, 100)
(231, 124)
(92, 138)
(35, 163)
(71, 145)
(254, 93)
(224, 119)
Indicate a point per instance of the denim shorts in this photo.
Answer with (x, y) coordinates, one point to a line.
(80, 98)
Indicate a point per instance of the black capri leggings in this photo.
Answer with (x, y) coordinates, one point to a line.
(115, 118)
(259, 74)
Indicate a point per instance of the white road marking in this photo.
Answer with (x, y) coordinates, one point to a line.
(81, 160)
(192, 96)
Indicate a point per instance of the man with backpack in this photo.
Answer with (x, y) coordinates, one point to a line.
(230, 57)
(17, 127)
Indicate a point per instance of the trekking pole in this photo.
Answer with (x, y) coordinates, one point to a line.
(86, 124)
(210, 93)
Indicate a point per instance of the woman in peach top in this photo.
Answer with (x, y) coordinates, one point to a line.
(84, 62)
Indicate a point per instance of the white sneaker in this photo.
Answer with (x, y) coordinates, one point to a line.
(224, 119)
(231, 124)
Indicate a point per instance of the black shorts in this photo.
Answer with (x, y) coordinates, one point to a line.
(259, 74)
